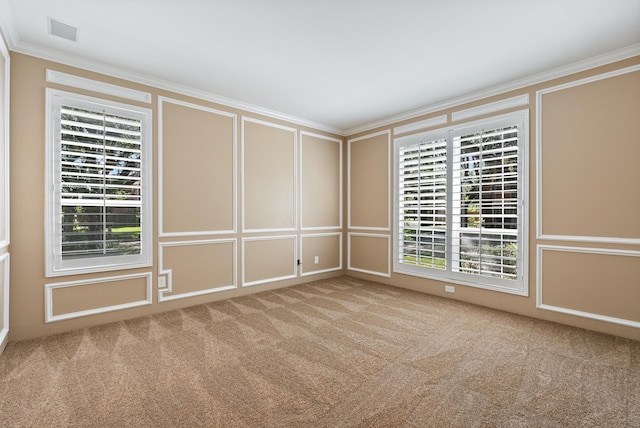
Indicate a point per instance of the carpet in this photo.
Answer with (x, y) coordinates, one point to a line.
(341, 352)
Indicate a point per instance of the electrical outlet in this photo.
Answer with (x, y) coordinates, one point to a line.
(449, 288)
(316, 259)
(162, 281)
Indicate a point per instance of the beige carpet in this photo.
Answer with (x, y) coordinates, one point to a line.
(334, 353)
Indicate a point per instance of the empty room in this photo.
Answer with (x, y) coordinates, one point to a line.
(263, 213)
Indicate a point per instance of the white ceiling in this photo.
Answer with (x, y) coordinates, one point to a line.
(339, 63)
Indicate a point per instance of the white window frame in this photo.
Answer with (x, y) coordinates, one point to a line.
(518, 286)
(54, 264)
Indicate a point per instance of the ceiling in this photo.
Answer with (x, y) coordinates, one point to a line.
(343, 64)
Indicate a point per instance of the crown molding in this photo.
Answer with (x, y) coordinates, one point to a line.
(9, 31)
(576, 67)
(97, 67)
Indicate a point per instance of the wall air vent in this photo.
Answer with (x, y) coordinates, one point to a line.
(65, 31)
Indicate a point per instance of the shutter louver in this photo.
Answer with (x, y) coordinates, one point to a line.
(422, 192)
(100, 184)
(485, 225)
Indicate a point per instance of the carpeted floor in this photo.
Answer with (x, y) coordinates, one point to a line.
(334, 353)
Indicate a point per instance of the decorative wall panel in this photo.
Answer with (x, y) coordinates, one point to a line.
(321, 182)
(593, 283)
(197, 170)
(369, 253)
(269, 176)
(268, 259)
(193, 268)
(321, 253)
(369, 182)
(588, 155)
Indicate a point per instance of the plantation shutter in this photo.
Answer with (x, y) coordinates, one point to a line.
(100, 183)
(422, 193)
(485, 202)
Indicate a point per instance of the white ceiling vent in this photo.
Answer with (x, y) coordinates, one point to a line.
(60, 29)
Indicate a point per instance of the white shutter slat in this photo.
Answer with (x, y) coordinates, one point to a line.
(100, 196)
(97, 145)
(487, 226)
(423, 188)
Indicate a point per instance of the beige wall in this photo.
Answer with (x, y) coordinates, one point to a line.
(273, 192)
(321, 176)
(598, 281)
(592, 131)
(227, 192)
(587, 252)
(196, 266)
(370, 253)
(263, 261)
(74, 298)
(197, 145)
(321, 253)
(369, 174)
(269, 176)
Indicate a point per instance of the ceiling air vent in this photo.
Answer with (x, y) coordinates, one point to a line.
(60, 29)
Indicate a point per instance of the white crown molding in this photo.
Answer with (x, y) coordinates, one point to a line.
(97, 67)
(8, 28)
(10, 32)
(576, 67)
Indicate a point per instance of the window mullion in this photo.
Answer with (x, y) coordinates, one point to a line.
(481, 185)
(419, 207)
(104, 182)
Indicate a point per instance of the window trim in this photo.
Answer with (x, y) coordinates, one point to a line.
(54, 265)
(519, 286)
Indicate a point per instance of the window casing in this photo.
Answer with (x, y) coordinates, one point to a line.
(460, 204)
(98, 197)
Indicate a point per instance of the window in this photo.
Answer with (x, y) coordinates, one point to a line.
(460, 204)
(98, 182)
